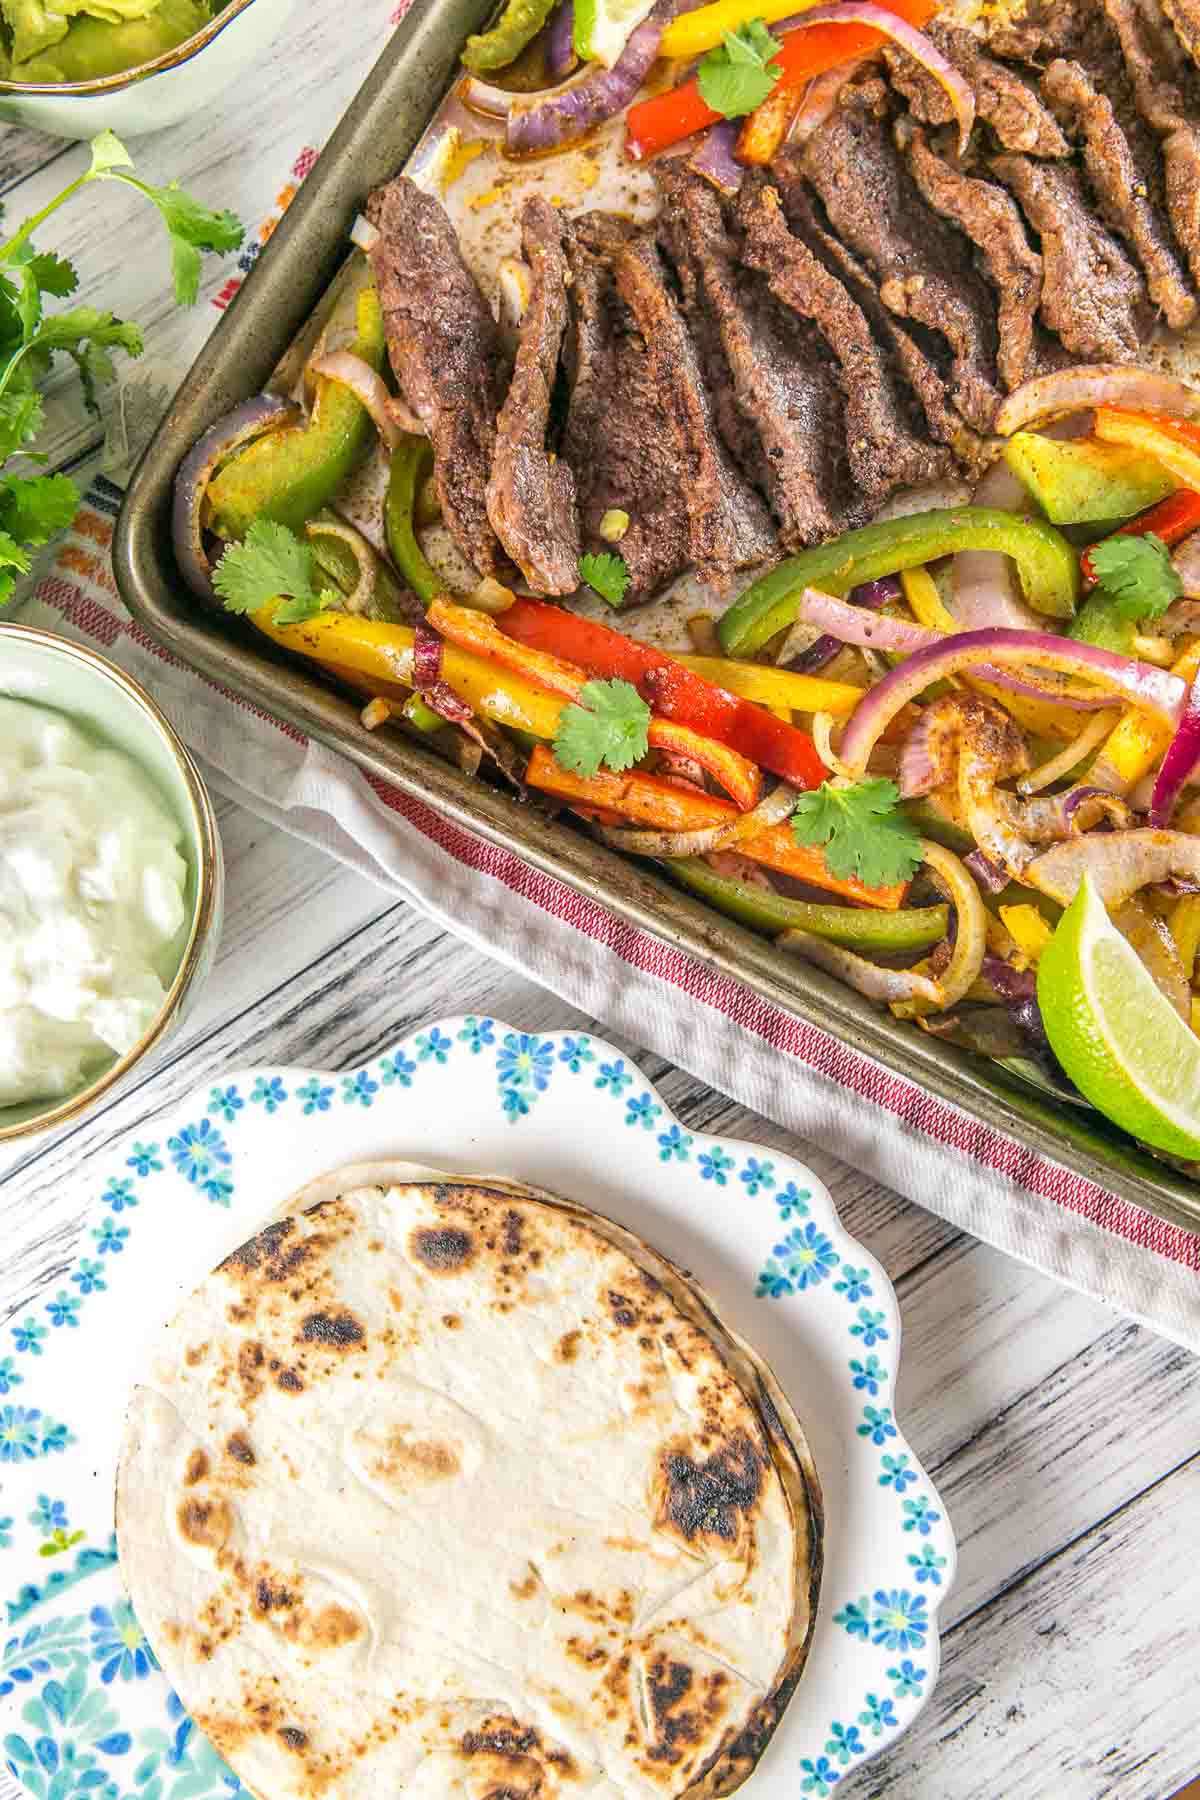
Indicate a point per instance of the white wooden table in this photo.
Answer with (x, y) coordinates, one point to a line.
(1065, 1441)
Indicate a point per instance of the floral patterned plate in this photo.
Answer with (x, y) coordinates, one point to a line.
(85, 1713)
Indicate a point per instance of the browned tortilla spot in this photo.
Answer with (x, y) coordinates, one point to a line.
(712, 1498)
(428, 1460)
(567, 1348)
(339, 1331)
(206, 1522)
(442, 1248)
(293, 1738)
(196, 1469)
(239, 1449)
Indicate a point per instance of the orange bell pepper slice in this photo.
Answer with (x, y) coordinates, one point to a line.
(649, 800)
(1175, 443)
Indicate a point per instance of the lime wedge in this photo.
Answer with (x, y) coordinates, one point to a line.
(603, 27)
(1121, 1042)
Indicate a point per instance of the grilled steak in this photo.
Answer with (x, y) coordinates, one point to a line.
(775, 390)
(883, 441)
(1092, 296)
(1185, 17)
(531, 491)
(989, 217)
(924, 266)
(1166, 94)
(445, 351)
(1003, 99)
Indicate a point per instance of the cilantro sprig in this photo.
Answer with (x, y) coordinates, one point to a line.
(607, 728)
(606, 574)
(272, 563)
(33, 507)
(861, 830)
(1135, 580)
(739, 73)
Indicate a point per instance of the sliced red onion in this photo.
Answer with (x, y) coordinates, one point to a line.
(771, 810)
(560, 40)
(360, 600)
(594, 94)
(1120, 863)
(872, 595)
(987, 873)
(265, 412)
(363, 234)
(1187, 566)
(437, 694)
(861, 12)
(985, 582)
(1178, 765)
(1154, 690)
(714, 158)
(391, 419)
(820, 96)
(1095, 384)
(1011, 984)
(1053, 817)
(891, 986)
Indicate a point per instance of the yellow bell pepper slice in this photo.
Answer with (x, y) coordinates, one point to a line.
(378, 652)
(702, 29)
(778, 689)
(1028, 930)
(1185, 929)
(1136, 744)
(925, 603)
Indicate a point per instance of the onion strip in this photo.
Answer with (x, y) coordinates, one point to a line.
(1094, 384)
(860, 12)
(771, 810)
(1071, 755)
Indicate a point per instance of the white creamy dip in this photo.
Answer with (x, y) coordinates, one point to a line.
(91, 903)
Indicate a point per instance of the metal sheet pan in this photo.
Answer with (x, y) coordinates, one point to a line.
(374, 139)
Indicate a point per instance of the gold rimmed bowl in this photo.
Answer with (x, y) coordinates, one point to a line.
(108, 704)
(150, 95)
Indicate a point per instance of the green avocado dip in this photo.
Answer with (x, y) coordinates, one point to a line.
(80, 40)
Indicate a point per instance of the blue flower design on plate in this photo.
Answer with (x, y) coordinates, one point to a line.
(899, 1621)
(359, 1089)
(433, 1044)
(63, 1308)
(869, 1376)
(199, 1152)
(614, 1076)
(870, 1327)
(877, 1424)
(226, 1102)
(5, 1544)
(316, 1098)
(801, 1261)
(854, 1283)
(268, 1092)
(910, 1681)
(25, 1432)
(49, 1515)
(110, 1238)
(855, 1617)
(819, 1776)
(476, 1033)
(642, 1111)
(675, 1145)
(144, 1160)
(119, 1194)
(927, 1566)
(524, 1065)
(844, 1742)
(896, 1473)
(757, 1175)
(28, 1337)
(119, 1644)
(10, 1375)
(575, 1052)
(715, 1165)
(397, 1070)
(879, 1715)
(920, 1515)
(793, 1201)
(89, 1276)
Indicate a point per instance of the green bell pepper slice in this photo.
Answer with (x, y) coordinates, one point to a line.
(290, 474)
(1046, 563)
(517, 26)
(1082, 481)
(858, 928)
(412, 460)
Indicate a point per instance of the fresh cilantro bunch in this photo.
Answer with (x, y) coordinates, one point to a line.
(272, 563)
(1135, 580)
(33, 507)
(738, 75)
(861, 830)
(606, 575)
(608, 727)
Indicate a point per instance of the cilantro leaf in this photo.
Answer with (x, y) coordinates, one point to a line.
(739, 74)
(20, 420)
(607, 575)
(108, 152)
(1136, 581)
(607, 727)
(53, 274)
(33, 508)
(191, 227)
(272, 563)
(14, 561)
(861, 830)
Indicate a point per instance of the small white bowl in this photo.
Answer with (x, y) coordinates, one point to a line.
(154, 94)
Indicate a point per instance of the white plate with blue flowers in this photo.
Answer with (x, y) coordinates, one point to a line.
(85, 1713)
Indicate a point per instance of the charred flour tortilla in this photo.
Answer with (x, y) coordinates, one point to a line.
(438, 1489)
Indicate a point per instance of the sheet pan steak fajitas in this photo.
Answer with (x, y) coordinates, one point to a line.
(771, 444)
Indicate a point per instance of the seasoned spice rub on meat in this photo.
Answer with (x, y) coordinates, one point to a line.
(1003, 99)
(531, 491)
(445, 352)
(1167, 94)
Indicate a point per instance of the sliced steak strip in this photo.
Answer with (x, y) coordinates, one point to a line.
(775, 390)
(531, 491)
(445, 351)
(1092, 296)
(1123, 167)
(989, 217)
(1003, 98)
(883, 440)
(1185, 17)
(923, 264)
(1166, 95)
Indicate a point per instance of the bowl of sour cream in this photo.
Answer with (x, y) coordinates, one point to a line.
(111, 879)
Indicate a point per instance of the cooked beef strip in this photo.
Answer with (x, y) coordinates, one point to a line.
(989, 217)
(1167, 96)
(775, 378)
(1092, 296)
(884, 442)
(923, 264)
(445, 351)
(1123, 167)
(1003, 98)
(531, 491)
(1185, 17)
